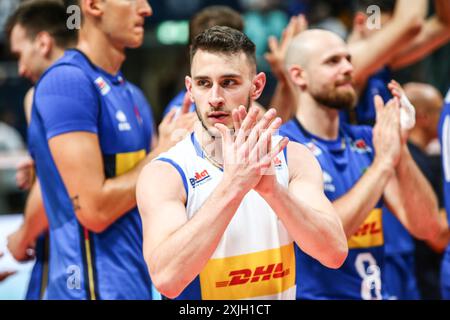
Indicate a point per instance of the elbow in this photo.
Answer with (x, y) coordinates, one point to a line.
(164, 286)
(336, 258)
(165, 283)
(414, 26)
(93, 220)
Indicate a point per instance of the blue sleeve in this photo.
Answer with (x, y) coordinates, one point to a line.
(67, 101)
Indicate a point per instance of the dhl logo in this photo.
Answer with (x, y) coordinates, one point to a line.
(368, 228)
(370, 233)
(199, 177)
(261, 273)
(256, 274)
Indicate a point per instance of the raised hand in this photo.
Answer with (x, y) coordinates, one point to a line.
(20, 250)
(386, 133)
(248, 156)
(25, 174)
(176, 125)
(407, 110)
(277, 54)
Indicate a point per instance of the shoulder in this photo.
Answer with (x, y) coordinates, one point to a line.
(290, 129)
(300, 158)
(62, 79)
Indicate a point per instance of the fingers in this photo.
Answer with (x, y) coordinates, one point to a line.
(302, 24)
(224, 133)
(379, 106)
(169, 117)
(264, 142)
(273, 44)
(247, 124)
(186, 106)
(262, 125)
(395, 88)
(279, 147)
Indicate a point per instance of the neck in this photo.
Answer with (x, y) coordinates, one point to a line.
(56, 54)
(98, 48)
(212, 146)
(419, 138)
(318, 119)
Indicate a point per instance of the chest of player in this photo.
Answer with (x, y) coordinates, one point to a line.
(342, 164)
(121, 126)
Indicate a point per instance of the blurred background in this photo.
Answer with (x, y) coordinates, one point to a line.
(159, 67)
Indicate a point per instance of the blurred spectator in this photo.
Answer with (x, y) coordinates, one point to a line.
(10, 139)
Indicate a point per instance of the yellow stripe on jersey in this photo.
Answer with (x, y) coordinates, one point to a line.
(251, 275)
(370, 233)
(127, 161)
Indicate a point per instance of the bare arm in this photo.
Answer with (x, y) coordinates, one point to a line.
(28, 103)
(435, 33)
(410, 196)
(354, 207)
(306, 211)
(98, 201)
(176, 249)
(285, 97)
(372, 53)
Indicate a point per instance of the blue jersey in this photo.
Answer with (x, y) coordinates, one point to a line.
(343, 162)
(177, 102)
(444, 137)
(74, 95)
(39, 275)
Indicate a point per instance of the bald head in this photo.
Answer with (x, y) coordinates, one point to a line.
(311, 43)
(424, 97)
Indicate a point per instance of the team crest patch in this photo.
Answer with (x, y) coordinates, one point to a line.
(360, 146)
(200, 178)
(102, 85)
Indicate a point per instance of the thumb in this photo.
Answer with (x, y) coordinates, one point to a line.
(379, 106)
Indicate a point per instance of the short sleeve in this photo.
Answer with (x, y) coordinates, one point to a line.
(67, 101)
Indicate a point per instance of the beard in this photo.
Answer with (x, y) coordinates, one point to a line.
(202, 120)
(336, 98)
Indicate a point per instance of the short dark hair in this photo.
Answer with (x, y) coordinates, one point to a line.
(226, 40)
(43, 15)
(386, 6)
(214, 16)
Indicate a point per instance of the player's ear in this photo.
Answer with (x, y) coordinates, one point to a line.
(93, 7)
(188, 83)
(44, 43)
(298, 76)
(258, 84)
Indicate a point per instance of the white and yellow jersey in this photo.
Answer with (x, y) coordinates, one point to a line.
(255, 258)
